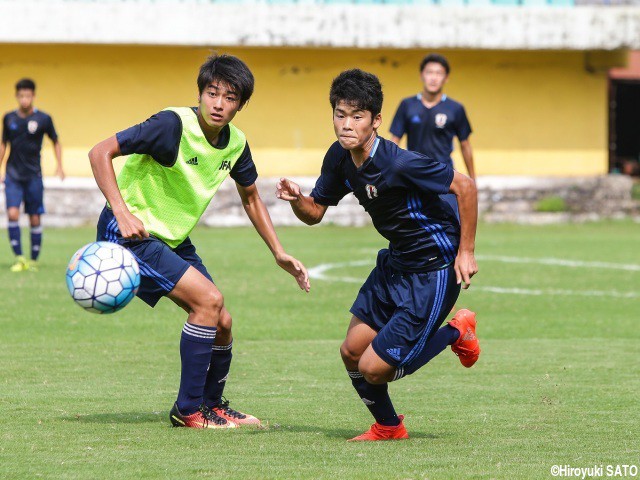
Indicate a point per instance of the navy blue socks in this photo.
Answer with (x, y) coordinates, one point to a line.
(36, 241)
(16, 243)
(376, 398)
(14, 237)
(195, 352)
(217, 375)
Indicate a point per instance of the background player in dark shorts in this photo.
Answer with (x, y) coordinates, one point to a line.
(397, 314)
(23, 129)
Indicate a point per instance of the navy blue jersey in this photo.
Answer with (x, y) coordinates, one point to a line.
(25, 136)
(400, 191)
(431, 130)
(159, 137)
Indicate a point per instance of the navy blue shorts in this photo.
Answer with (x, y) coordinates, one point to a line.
(30, 191)
(161, 266)
(406, 309)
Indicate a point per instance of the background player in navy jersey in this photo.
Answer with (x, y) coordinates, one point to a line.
(431, 119)
(23, 129)
(397, 314)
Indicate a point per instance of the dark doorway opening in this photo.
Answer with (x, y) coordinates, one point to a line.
(624, 126)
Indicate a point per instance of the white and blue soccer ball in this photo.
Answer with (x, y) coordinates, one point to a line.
(103, 277)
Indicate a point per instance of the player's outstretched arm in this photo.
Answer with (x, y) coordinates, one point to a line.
(305, 208)
(259, 216)
(101, 157)
(467, 195)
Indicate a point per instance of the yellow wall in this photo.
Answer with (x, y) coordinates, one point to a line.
(533, 113)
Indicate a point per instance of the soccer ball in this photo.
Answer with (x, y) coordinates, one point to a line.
(102, 277)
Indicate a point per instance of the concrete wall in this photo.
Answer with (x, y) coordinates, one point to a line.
(193, 22)
(533, 112)
(78, 201)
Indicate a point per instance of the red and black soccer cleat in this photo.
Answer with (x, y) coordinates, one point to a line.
(379, 432)
(203, 418)
(223, 410)
(467, 347)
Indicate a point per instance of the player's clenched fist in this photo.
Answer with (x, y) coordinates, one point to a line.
(287, 190)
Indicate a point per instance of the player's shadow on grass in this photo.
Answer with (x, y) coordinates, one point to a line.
(122, 417)
(344, 433)
(161, 417)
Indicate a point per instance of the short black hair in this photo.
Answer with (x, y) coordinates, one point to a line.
(435, 58)
(230, 70)
(360, 89)
(26, 84)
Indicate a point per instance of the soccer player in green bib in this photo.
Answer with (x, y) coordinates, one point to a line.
(177, 160)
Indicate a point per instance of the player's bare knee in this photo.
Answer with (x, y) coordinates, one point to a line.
(349, 357)
(373, 377)
(214, 300)
(372, 371)
(208, 305)
(13, 214)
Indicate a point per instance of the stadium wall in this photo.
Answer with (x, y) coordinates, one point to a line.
(538, 113)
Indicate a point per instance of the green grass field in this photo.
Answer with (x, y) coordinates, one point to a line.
(85, 396)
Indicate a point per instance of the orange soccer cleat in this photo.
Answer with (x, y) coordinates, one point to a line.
(383, 432)
(467, 347)
(223, 410)
(203, 418)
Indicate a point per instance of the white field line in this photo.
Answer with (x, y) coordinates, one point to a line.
(562, 262)
(320, 272)
(547, 292)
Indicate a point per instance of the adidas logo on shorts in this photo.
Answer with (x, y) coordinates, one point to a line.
(394, 352)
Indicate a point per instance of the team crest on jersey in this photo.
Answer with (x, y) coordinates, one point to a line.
(32, 126)
(372, 191)
(441, 120)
